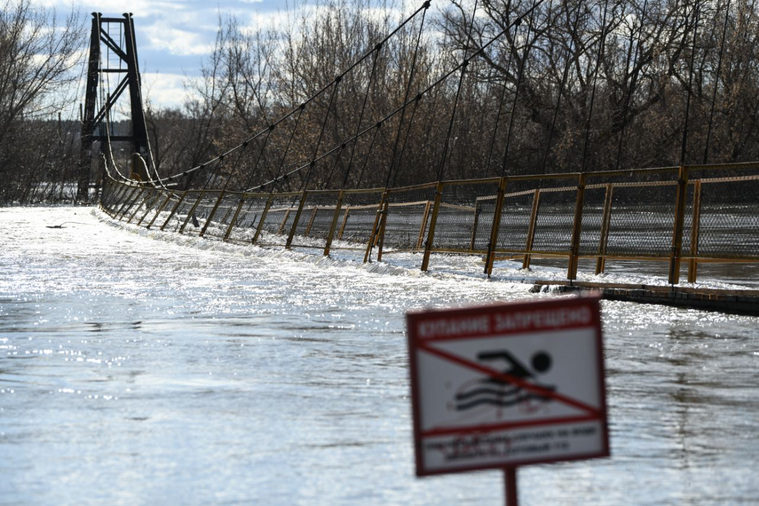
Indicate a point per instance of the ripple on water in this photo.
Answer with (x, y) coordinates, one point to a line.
(224, 373)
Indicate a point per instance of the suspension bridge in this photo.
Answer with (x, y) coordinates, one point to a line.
(356, 166)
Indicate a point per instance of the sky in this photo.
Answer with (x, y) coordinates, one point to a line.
(173, 36)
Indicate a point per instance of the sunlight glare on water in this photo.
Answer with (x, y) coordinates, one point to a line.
(142, 367)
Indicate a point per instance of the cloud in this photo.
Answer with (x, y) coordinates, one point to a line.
(176, 40)
(164, 90)
(174, 36)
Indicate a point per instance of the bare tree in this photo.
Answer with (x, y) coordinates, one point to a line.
(39, 60)
(527, 86)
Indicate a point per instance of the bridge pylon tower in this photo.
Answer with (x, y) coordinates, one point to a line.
(113, 50)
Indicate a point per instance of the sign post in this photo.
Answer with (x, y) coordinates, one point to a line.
(507, 385)
(510, 480)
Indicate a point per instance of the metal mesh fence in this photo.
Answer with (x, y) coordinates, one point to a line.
(315, 220)
(358, 215)
(181, 212)
(246, 219)
(592, 219)
(458, 218)
(217, 221)
(484, 212)
(407, 217)
(651, 214)
(641, 221)
(279, 215)
(728, 230)
(553, 228)
(149, 203)
(515, 222)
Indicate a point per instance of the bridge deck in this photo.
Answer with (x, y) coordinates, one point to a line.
(743, 302)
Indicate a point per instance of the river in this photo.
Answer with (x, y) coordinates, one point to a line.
(142, 367)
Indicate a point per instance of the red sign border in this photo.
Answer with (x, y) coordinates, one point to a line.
(413, 319)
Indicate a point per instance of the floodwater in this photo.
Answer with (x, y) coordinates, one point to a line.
(142, 367)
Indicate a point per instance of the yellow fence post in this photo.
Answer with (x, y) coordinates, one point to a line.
(129, 202)
(119, 203)
(475, 224)
(382, 224)
(375, 226)
(118, 198)
(118, 214)
(262, 219)
(149, 203)
(230, 210)
(126, 206)
(531, 229)
(605, 223)
(161, 208)
(234, 218)
(296, 219)
(311, 220)
(344, 223)
(679, 225)
(423, 226)
(104, 197)
(145, 200)
(574, 247)
(694, 232)
(191, 214)
(431, 234)
(216, 205)
(495, 227)
(333, 225)
(174, 209)
(284, 221)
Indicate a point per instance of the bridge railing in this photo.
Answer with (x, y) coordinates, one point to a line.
(679, 216)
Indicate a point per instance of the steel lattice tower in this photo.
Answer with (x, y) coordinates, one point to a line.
(121, 60)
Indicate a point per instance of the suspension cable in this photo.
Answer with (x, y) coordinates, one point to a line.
(390, 115)
(369, 83)
(633, 80)
(312, 164)
(499, 112)
(601, 47)
(520, 74)
(562, 84)
(306, 102)
(684, 143)
(412, 74)
(716, 82)
(463, 67)
(276, 179)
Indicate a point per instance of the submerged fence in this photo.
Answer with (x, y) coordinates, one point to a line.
(684, 216)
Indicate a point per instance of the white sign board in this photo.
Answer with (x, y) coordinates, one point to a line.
(507, 385)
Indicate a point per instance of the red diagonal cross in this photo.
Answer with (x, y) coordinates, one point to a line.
(508, 378)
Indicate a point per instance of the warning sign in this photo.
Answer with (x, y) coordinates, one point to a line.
(507, 385)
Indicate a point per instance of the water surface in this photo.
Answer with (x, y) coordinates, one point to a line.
(141, 367)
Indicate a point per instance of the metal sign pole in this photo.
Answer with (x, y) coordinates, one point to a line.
(510, 483)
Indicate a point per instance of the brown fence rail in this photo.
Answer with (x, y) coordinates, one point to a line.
(684, 216)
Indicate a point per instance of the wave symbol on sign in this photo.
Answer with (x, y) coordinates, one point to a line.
(495, 391)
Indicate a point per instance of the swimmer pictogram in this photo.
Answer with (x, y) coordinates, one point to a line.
(497, 391)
